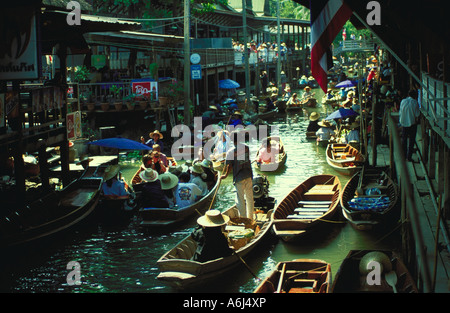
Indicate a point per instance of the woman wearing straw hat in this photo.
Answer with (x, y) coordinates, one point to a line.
(169, 182)
(211, 243)
(199, 177)
(114, 187)
(155, 138)
(313, 125)
(152, 193)
(325, 132)
(207, 166)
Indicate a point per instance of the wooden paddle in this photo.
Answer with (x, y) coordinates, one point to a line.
(280, 281)
(359, 189)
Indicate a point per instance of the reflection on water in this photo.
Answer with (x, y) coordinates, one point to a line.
(123, 258)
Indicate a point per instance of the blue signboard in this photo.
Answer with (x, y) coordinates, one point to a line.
(196, 71)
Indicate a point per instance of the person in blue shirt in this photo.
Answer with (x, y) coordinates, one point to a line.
(113, 186)
(236, 119)
(155, 139)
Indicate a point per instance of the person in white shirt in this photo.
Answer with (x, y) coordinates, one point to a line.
(186, 193)
(409, 116)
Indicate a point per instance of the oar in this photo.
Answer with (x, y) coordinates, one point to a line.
(391, 279)
(280, 281)
(359, 189)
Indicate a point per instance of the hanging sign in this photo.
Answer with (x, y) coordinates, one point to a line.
(145, 88)
(73, 121)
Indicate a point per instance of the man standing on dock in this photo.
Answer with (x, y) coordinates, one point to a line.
(409, 117)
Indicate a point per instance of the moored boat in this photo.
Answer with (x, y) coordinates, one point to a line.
(311, 204)
(52, 214)
(298, 276)
(164, 217)
(344, 158)
(369, 199)
(280, 157)
(178, 270)
(352, 275)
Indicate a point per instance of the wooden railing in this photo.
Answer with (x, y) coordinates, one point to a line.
(354, 45)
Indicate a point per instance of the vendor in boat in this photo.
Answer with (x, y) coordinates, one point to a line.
(329, 95)
(209, 116)
(287, 93)
(162, 156)
(157, 163)
(326, 132)
(211, 242)
(155, 138)
(269, 104)
(307, 94)
(349, 101)
(266, 154)
(186, 193)
(313, 125)
(293, 101)
(353, 135)
(222, 143)
(169, 182)
(199, 177)
(152, 193)
(114, 187)
(207, 166)
(236, 119)
(84, 161)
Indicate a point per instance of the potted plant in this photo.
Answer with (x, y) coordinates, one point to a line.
(115, 92)
(130, 101)
(171, 93)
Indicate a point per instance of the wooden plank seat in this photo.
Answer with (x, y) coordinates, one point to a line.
(303, 202)
(303, 217)
(322, 209)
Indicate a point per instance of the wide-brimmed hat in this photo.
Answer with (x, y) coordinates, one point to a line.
(213, 218)
(213, 107)
(206, 163)
(237, 113)
(111, 172)
(168, 180)
(324, 123)
(83, 158)
(149, 175)
(176, 170)
(314, 116)
(307, 88)
(197, 168)
(157, 133)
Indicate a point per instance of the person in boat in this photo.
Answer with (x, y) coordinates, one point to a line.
(209, 116)
(152, 193)
(211, 242)
(239, 159)
(236, 119)
(207, 166)
(155, 138)
(353, 134)
(147, 160)
(162, 156)
(169, 182)
(342, 93)
(114, 187)
(293, 101)
(269, 104)
(287, 93)
(347, 104)
(313, 125)
(307, 94)
(325, 132)
(84, 161)
(330, 95)
(303, 81)
(199, 177)
(157, 163)
(186, 193)
(222, 143)
(266, 154)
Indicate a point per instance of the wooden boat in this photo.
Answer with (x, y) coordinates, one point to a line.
(50, 215)
(369, 198)
(310, 205)
(178, 270)
(309, 102)
(137, 179)
(280, 158)
(311, 136)
(164, 217)
(266, 115)
(344, 158)
(298, 276)
(294, 109)
(325, 143)
(349, 278)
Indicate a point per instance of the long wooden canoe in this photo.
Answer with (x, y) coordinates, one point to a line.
(351, 277)
(164, 217)
(298, 276)
(179, 271)
(280, 160)
(344, 158)
(369, 201)
(309, 205)
(51, 214)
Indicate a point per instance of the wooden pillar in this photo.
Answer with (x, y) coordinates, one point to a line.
(64, 149)
(43, 165)
(19, 166)
(432, 156)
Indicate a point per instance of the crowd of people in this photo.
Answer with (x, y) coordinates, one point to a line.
(265, 51)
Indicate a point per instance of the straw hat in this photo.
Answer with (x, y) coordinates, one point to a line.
(206, 163)
(83, 158)
(149, 175)
(314, 116)
(213, 107)
(168, 180)
(213, 218)
(324, 123)
(307, 88)
(176, 170)
(157, 133)
(197, 168)
(237, 113)
(111, 172)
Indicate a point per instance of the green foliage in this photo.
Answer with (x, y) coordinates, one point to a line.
(289, 9)
(81, 74)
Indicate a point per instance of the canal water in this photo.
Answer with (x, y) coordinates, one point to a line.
(122, 258)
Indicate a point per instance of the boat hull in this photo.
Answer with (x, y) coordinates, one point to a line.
(344, 158)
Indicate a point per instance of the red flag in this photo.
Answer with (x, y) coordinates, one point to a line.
(327, 19)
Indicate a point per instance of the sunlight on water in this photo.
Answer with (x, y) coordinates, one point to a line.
(123, 259)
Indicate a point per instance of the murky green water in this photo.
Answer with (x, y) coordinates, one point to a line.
(123, 258)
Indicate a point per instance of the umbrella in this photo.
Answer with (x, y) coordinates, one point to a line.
(345, 83)
(228, 84)
(120, 143)
(341, 113)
